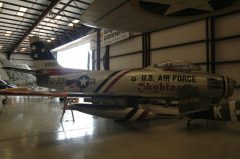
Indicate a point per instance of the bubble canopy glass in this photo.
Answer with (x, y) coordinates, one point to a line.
(177, 65)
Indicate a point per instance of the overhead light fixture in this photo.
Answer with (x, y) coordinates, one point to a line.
(8, 33)
(70, 24)
(21, 14)
(22, 9)
(23, 49)
(58, 17)
(75, 21)
(1, 4)
(52, 38)
(48, 41)
(1, 46)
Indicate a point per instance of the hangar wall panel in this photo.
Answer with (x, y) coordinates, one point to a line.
(102, 53)
(203, 67)
(126, 46)
(101, 65)
(126, 62)
(230, 70)
(180, 34)
(228, 50)
(227, 25)
(194, 53)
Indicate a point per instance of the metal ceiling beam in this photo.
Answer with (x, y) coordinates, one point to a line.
(25, 17)
(83, 9)
(68, 11)
(10, 27)
(13, 32)
(53, 30)
(82, 2)
(13, 4)
(40, 18)
(14, 24)
(8, 38)
(16, 10)
(14, 20)
(35, 3)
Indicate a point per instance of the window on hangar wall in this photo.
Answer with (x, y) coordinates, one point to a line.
(76, 54)
(76, 57)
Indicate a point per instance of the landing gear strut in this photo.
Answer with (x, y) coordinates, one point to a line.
(189, 123)
(66, 102)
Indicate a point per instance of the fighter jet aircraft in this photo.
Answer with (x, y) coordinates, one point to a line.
(14, 77)
(127, 94)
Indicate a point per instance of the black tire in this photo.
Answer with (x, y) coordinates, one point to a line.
(61, 100)
(4, 101)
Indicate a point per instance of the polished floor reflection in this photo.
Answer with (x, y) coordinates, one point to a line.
(30, 128)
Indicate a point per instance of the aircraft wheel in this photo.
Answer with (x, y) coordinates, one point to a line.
(61, 100)
(4, 101)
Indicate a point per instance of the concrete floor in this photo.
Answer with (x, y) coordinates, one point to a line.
(31, 129)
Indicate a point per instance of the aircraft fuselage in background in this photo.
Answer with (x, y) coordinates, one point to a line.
(144, 82)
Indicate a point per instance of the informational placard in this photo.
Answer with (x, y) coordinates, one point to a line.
(108, 37)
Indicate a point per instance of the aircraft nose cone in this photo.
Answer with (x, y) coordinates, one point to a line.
(231, 86)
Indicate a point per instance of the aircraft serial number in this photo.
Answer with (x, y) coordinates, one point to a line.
(59, 80)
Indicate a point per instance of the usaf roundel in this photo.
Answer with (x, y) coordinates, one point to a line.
(83, 81)
(184, 7)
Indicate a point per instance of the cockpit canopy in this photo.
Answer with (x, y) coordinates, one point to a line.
(177, 65)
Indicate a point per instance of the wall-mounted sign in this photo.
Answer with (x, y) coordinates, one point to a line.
(108, 37)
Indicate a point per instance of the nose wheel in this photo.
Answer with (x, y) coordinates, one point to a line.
(4, 101)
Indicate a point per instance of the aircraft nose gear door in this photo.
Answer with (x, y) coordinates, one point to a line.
(190, 101)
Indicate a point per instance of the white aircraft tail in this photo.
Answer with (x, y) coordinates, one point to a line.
(43, 58)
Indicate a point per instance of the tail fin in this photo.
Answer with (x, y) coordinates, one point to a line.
(44, 61)
(39, 51)
(43, 58)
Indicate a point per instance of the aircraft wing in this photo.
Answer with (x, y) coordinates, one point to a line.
(20, 70)
(15, 92)
(195, 111)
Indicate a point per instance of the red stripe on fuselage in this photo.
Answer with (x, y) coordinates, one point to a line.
(58, 71)
(115, 81)
(143, 115)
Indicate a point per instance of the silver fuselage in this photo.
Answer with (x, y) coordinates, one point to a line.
(144, 82)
